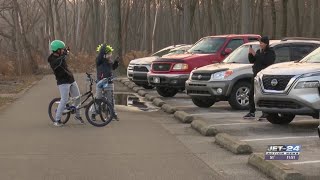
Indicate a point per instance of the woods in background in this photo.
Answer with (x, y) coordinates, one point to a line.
(28, 26)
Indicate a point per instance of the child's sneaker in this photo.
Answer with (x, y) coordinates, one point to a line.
(58, 123)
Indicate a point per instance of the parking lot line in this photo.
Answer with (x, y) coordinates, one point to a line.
(229, 112)
(239, 124)
(303, 162)
(290, 137)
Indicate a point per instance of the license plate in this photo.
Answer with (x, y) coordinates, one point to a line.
(156, 80)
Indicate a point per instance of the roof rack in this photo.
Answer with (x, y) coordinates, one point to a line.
(300, 38)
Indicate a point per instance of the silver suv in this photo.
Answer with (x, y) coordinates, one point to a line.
(289, 89)
(230, 80)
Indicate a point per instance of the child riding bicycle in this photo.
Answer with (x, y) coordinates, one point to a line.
(65, 80)
(105, 65)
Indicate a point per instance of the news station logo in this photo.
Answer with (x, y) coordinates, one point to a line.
(283, 152)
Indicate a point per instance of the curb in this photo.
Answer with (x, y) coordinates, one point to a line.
(168, 108)
(203, 128)
(158, 102)
(183, 116)
(142, 93)
(127, 83)
(274, 169)
(149, 97)
(136, 89)
(232, 144)
(131, 85)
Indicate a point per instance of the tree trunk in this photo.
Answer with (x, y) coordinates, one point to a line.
(155, 25)
(274, 19)
(297, 17)
(217, 6)
(147, 26)
(284, 18)
(245, 16)
(314, 21)
(186, 21)
(114, 20)
(261, 17)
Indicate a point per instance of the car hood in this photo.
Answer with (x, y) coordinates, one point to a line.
(291, 68)
(188, 56)
(222, 67)
(145, 60)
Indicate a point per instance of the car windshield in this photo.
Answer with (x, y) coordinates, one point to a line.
(240, 55)
(161, 52)
(207, 45)
(313, 57)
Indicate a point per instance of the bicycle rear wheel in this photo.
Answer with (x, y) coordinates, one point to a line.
(52, 110)
(104, 116)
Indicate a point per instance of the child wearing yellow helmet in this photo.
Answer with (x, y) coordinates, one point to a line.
(105, 66)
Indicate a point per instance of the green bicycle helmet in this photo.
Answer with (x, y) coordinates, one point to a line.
(56, 45)
(108, 48)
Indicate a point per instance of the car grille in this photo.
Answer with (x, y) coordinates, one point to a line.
(197, 92)
(140, 69)
(161, 66)
(282, 82)
(278, 104)
(201, 76)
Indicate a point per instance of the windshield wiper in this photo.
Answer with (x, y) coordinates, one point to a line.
(199, 50)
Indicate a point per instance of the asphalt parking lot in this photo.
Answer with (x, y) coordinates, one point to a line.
(258, 134)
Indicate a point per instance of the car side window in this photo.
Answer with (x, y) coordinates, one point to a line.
(282, 54)
(234, 43)
(300, 51)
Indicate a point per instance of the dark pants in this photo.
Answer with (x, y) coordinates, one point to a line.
(252, 106)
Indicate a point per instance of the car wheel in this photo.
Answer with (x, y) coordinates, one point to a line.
(203, 102)
(278, 118)
(239, 97)
(146, 86)
(166, 91)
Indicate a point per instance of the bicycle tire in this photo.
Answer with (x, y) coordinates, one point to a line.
(52, 118)
(108, 110)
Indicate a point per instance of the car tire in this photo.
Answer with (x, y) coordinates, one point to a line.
(278, 118)
(203, 102)
(239, 97)
(146, 86)
(166, 91)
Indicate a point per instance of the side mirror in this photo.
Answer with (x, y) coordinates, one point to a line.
(227, 51)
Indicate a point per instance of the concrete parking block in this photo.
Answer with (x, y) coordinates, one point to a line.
(136, 89)
(142, 93)
(169, 109)
(132, 85)
(183, 116)
(204, 128)
(127, 83)
(149, 97)
(274, 169)
(232, 144)
(158, 102)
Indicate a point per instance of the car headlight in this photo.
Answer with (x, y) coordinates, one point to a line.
(307, 84)
(221, 75)
(180, 66)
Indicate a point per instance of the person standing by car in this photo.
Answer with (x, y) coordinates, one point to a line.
(65, 79)
(105, 65)
(261, 59)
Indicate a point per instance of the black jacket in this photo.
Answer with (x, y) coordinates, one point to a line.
(262, 60)
(60, 69)
(105, 66)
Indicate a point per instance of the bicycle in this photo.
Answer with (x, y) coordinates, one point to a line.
(104, 110)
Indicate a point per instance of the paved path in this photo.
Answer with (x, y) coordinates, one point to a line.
(137, 147)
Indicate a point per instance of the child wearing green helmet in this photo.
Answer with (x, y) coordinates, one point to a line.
(65, 79)
(105, 65)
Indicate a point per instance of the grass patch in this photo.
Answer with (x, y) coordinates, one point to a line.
(5, 100)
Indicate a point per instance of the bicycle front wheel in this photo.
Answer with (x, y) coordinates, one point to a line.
(52, 110)
(103, 115)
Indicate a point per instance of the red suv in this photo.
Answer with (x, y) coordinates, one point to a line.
(170, 73)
